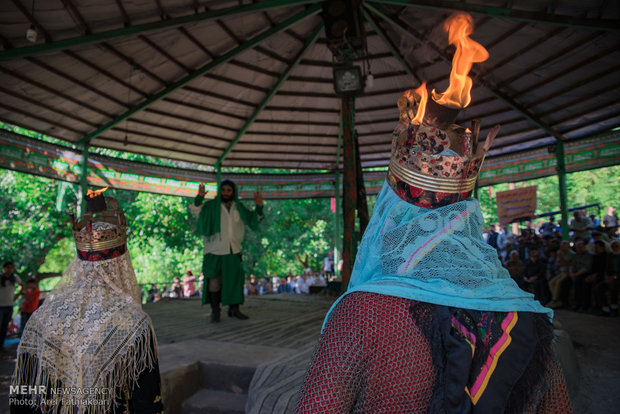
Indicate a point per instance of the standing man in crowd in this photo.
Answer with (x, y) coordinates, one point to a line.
(328, 264)
(581, 226)
(221, 222)
(493, 235)
(610, 220)
(31, 302)
(548, 227)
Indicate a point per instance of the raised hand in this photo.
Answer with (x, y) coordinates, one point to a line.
(201, 190)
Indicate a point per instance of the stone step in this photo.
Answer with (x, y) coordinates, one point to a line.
(214, 402)
(226, 377)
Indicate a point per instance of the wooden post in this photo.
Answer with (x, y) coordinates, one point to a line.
(349, 196)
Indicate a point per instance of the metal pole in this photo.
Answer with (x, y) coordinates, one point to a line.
(349, 190)
(561, 168)
(218, 176)
(83, 181)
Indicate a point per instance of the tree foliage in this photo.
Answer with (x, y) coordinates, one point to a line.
(30, 226)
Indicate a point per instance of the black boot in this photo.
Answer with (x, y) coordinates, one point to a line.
(214, 298)
(233, 310)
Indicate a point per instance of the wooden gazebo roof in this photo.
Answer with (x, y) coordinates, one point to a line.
(250, 83)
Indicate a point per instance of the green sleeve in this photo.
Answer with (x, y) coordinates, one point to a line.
(250, 217)
(198, 200)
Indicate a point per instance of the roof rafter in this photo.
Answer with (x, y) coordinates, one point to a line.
(203, 70)
(141, 28)
(510, 14)
(308, 44)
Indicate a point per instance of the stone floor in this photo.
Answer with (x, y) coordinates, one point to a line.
(283, 323)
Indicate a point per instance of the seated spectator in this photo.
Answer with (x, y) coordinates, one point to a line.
(291, 282)
(534, 243)
(514, 265)
(252, 286)
(581, 268)
(301, 287)
(189, 288)
(165, 291)
(550, 265)
(176, 290)
(151, 293)
(267, 285)
(284, 287)
(563, 262)
(596, 223)
(597, 236)
(535, 277)
(610, 283)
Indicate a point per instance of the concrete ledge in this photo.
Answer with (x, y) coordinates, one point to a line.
(188, 366)
(215, 402)
(179, 384)
(563, 347)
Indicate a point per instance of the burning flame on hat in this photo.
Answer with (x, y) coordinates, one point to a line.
(468, 52)
(423, 94)
(91, 194)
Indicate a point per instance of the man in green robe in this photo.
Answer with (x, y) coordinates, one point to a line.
(221, 221)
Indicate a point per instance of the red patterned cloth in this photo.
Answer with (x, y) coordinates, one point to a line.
(373, 358)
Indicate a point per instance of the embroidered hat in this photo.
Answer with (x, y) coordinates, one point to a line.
(108, 238)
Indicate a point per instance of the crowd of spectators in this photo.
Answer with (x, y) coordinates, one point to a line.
(180, 288)
(581, 274)
(309, 282)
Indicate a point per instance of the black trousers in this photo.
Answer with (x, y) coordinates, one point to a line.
(6, 313)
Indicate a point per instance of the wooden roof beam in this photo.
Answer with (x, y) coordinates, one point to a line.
(510, 14)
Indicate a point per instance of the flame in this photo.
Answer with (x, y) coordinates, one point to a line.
(91, 194)
(468, 51)
(423, 94)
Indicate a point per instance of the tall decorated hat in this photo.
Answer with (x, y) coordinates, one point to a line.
(102, 233)
(435, 162)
